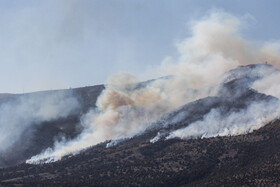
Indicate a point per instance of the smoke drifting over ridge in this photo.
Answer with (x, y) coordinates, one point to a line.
(216, 124)
(19, 116)
(215, 46)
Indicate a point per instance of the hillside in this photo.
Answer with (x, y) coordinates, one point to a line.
(251, 159)
(206, 155)
(45, 132)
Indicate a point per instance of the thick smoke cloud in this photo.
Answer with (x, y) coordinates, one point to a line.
(19, 115)
(215, 123)
(126, 108)
(269, 84)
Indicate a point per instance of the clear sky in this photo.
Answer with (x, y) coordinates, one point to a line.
(53, 44)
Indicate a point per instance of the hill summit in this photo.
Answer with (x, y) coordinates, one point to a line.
(229, 137)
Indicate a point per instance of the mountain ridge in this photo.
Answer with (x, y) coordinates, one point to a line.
(152, 158)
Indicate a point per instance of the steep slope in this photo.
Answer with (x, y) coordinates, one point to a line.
(234, 97)
(153, 158)
(43, 134)
(251, 159)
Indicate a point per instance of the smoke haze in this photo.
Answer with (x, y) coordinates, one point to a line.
(19, 116)
(215, 123)
(126, 108)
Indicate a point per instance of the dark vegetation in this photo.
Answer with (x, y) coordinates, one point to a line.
(251, 159)
(245, 160)
(43, 135)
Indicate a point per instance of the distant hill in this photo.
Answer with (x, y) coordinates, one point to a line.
(6, 95)
(45, 133)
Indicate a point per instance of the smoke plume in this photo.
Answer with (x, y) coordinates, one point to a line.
(215, 123)
(126, 107)
(18, 116)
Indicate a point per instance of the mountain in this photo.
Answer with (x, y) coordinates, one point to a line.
(251, 159)
(44, 132)
(151, 158)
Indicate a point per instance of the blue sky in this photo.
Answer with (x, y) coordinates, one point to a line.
(54, 44)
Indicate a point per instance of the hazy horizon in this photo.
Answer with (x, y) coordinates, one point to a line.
(52, 44)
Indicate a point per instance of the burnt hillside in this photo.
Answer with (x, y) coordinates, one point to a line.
(251, 159)
(248, 159)
(44, 134)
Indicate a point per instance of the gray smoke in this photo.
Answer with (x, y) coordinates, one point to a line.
(125, 109)
(19, 115)
(217, 124)
(269, 84)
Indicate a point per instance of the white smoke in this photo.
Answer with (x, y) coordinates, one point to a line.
(269, 84)
(21, 113)
(216, 124)
(125, 109)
